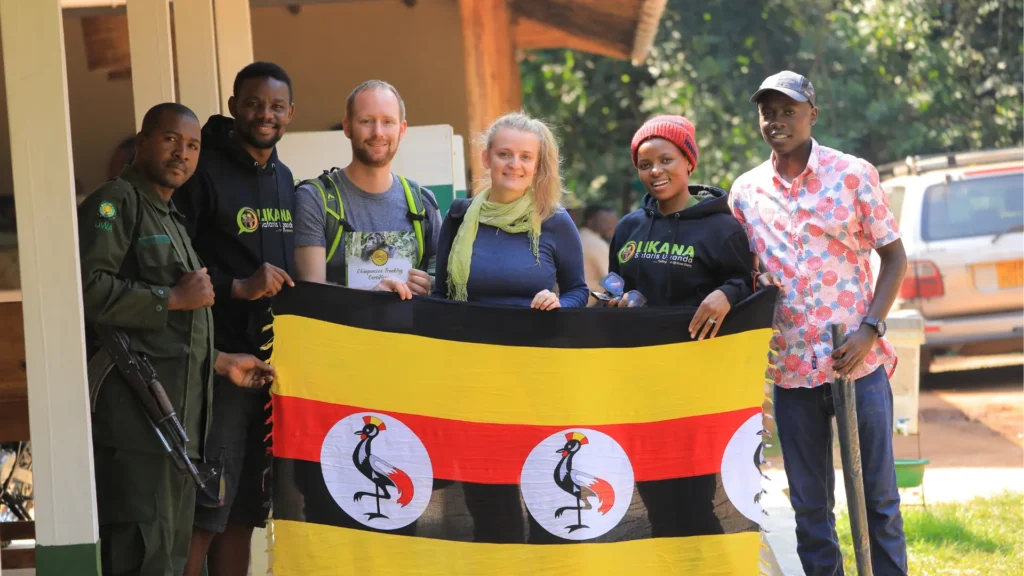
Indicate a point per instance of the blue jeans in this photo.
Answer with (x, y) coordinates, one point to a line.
(803, 417)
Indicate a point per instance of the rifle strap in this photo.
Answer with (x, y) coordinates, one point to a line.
(99, 366)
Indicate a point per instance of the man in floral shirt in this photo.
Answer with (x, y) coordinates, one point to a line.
(813, 215)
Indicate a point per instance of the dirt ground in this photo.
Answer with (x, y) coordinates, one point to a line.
(971, 418)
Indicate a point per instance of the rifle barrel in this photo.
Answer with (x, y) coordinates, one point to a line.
(142, 379)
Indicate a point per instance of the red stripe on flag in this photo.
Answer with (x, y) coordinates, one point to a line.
(495, 453)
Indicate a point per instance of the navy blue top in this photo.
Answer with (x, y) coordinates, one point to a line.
(504, 269)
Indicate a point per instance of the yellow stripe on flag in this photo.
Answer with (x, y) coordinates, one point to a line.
(302, 549)
(517, 385)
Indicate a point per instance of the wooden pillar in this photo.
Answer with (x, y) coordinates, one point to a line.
(37, 106)
(492, 74)
(234, 43)
(149, 40)
(196, 52)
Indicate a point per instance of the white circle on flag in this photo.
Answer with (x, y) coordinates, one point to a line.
(741, 476)
(396, 462)
(600, 474)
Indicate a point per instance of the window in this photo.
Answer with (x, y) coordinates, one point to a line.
(974, 207)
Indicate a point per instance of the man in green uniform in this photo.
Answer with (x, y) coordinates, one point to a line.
(140, 275)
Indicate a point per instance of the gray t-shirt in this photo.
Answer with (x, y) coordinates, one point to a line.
(365, 212)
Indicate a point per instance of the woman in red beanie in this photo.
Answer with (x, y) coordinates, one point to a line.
(683, 247)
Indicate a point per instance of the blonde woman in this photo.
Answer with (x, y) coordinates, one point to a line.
(513, 243)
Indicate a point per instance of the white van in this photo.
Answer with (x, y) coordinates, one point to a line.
(962, 222)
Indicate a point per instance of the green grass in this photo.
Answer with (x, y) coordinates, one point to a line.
(978, 538)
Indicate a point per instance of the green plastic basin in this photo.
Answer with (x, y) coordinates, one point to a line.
(910, 473)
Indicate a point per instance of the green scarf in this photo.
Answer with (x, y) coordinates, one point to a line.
(514, 218)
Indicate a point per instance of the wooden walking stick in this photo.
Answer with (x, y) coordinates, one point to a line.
(844, 398)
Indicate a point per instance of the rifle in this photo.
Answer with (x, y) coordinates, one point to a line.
(142, 379)
(844, 397)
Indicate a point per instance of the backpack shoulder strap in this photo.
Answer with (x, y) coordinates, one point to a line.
(417, 213)
(456, 214)
(459, 208)
(334, 211)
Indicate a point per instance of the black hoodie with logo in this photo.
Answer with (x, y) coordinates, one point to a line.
(239, 215)
(678, 259)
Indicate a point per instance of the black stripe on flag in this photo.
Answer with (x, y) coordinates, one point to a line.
(467, 322)
(495, 513)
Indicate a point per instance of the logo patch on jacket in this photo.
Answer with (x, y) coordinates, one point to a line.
(627, 252)
(662, 252)
(250, 220)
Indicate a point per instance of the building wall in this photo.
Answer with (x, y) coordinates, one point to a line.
(101, 116)
(6, 182)
(100, 109)
(329, 49)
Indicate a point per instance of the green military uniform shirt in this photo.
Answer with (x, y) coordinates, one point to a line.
(134, 248)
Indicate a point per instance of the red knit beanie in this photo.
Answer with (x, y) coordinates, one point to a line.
(675, 129)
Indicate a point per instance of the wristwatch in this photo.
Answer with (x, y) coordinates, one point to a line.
(876, 324)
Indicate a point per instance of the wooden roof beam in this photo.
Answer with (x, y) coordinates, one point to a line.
(578, 21)
(533, 35)
(646, 29)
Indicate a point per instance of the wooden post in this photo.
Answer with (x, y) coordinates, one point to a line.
(196, 50)
(66, 528)
(149, 40)
(234, 44)
(492, 74)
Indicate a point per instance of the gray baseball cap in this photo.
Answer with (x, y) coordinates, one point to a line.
(789, 83)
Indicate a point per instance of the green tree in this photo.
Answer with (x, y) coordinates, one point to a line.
(895, 78)
(594, 104)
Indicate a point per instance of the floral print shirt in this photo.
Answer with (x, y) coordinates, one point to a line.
(816, 236)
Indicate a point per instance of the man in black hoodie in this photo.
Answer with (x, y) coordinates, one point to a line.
(238, 206)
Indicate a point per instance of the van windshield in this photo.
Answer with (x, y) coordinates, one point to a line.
(974, 207)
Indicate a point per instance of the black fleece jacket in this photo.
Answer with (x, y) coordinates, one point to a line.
(678, 259)
(239, 215)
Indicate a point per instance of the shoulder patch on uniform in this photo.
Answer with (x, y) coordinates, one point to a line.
(107, 210)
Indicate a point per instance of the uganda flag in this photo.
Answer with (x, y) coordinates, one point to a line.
(429, 437)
